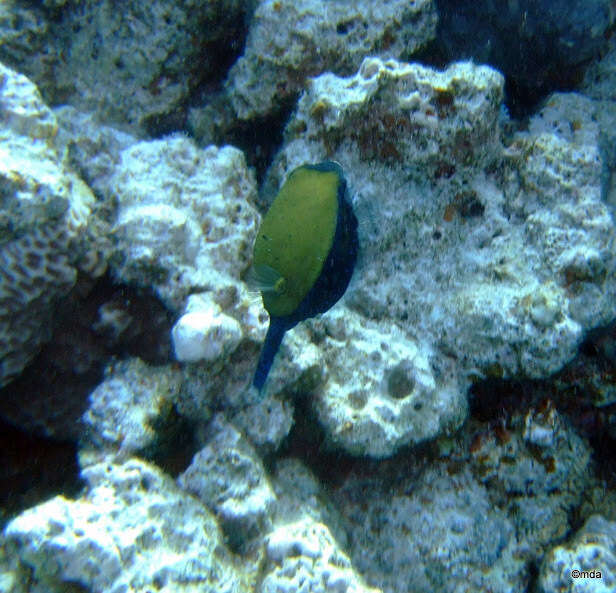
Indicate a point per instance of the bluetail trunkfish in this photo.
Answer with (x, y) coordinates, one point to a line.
(304, 253)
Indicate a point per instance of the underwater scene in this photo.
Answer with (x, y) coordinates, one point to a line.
(312, 296)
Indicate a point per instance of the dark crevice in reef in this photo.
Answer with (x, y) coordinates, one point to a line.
(540, 46)
(306, 442)
(164, 124)
(533, 577)
(214, 122)
(496, 399)
(41, 410)
(208, 70)
(218, 55)
(209, 66)
(573, 392)
(586, 379)
(491, 398)
(261, 138)
(175, 444)
(95, 322)
(33, 469)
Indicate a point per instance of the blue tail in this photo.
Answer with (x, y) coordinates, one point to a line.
(273, 339)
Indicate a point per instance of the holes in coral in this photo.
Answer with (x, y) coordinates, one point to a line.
(344, 27)
(469, 205)
(357, 399)
(33, 260)
(400, 382)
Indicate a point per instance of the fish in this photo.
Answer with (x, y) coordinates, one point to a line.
(304, 253)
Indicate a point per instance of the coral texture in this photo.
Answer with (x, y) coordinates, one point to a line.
(304, 555)
(44, 213)
(228, 477)
(436, 531)
(592, 549)
(133, 531)
(290, 41)
(135, 68)
(184, 221)
(129, 407)
(492, 260)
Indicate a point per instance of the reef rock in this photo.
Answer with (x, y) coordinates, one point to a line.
(228, 477)
(540, 466)
(491, 260)
(205, 335)
(392, 398)
(44, 216)
(290, 41)
(92, 149)
(573, 567)
(129, 411)
(185, 222)
(24, 33)
(134, 68)
(429, 530)
(131, 531)
(304, 555)
(301, 495)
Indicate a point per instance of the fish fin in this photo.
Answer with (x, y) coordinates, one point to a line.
(263, 278)
(273, 339)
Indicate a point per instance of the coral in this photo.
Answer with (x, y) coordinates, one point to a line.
(593, 548)
(135, 68)
(185, 225)
(304, 550)
(290, 41)
(185, 222)
(396, 113)
(571, 235)
(44, 218)
(266, 422)
(24, 32)
(34, 273)
(429, 529)
(228, 477)
(128, 411)
(538, 466)
(132, 530)
(598, 85)
(486, 252)
(205, 335)
(301, 495)
(93, 150)
(304, 556)
(227, 345)
(538, 454)
(487, 258)
(388, 398)
(392, 398)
